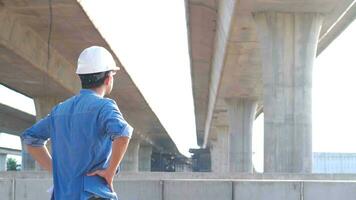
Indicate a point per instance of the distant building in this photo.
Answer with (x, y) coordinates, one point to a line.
(334, 162)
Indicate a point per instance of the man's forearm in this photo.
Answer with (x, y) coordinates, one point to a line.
(119, 147)
(42, 156)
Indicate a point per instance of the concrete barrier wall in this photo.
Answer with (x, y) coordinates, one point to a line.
(139, 189)
(6, 189)
(31, 189)
(329, 190)
(196, 189)
(256, 190)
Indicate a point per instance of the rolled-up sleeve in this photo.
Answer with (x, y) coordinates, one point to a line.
(38, 134)
(113, 122)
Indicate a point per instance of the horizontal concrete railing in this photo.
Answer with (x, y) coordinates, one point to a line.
(181, 186)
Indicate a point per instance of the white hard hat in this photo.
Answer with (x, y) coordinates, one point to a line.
(95, 59)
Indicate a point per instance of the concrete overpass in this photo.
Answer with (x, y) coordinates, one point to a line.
(14, 121)
(250, 55)
(3, 155)
(23, 67)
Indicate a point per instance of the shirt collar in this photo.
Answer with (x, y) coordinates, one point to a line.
(88, 91)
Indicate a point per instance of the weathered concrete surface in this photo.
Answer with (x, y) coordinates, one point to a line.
(193, 189)
(219, 150)
(203, 175)
(14, 121)
(202, 23)
(140, 190)
(169, 186)
(256, 190)
(288, 43)
(6, 189)
(4, 150)
(131, 158)
(3, 161)
(329, 190)
(144, 159)
(241, 114)
(31, 189)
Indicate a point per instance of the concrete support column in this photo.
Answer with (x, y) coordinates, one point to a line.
(43, 106)
(3, 166)
(27, 162)
(288, 49)
(219, 151)
(130, 161)
(241, 112)
(144, 162)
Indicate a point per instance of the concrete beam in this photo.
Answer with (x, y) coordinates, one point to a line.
(334, 27)
(225, 19)
(4, 150)
(14, 121)
(202, 25)
(22, 47)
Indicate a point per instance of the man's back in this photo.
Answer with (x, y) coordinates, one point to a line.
(81, 130)
(88, 133)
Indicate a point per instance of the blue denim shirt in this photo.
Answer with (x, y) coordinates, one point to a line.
(81, 130)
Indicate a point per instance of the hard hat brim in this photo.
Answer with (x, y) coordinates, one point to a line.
(116, 68)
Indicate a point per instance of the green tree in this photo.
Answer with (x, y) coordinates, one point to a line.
(11, 164)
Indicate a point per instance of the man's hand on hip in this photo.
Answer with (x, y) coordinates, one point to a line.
(108, 175)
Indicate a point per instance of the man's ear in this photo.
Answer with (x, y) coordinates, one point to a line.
(107, 80)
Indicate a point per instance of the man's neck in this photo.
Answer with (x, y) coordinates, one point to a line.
(100, 91)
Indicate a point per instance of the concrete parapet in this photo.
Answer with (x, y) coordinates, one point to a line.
(160, 187)
(32, 189)
(257, 190)
(329, 190)
(6, 189)
(197, 189)
(135, 189)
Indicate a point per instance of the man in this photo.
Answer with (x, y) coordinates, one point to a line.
(89, 136)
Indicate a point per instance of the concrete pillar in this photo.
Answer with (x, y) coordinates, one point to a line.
(219, 151)
(43, 106)
(130, 161)
(3, 166)
(27, 162)
(241, 112)
(144, 161)
(288, 49)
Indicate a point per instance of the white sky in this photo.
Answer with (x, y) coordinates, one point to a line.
(154, 51)
(151, 43)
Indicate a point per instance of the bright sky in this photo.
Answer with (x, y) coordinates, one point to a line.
(151, 43)
(154, 51)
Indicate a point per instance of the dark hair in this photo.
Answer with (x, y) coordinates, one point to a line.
(94, 80)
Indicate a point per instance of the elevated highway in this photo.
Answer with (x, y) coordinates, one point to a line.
(23, 67)
(250, 56)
